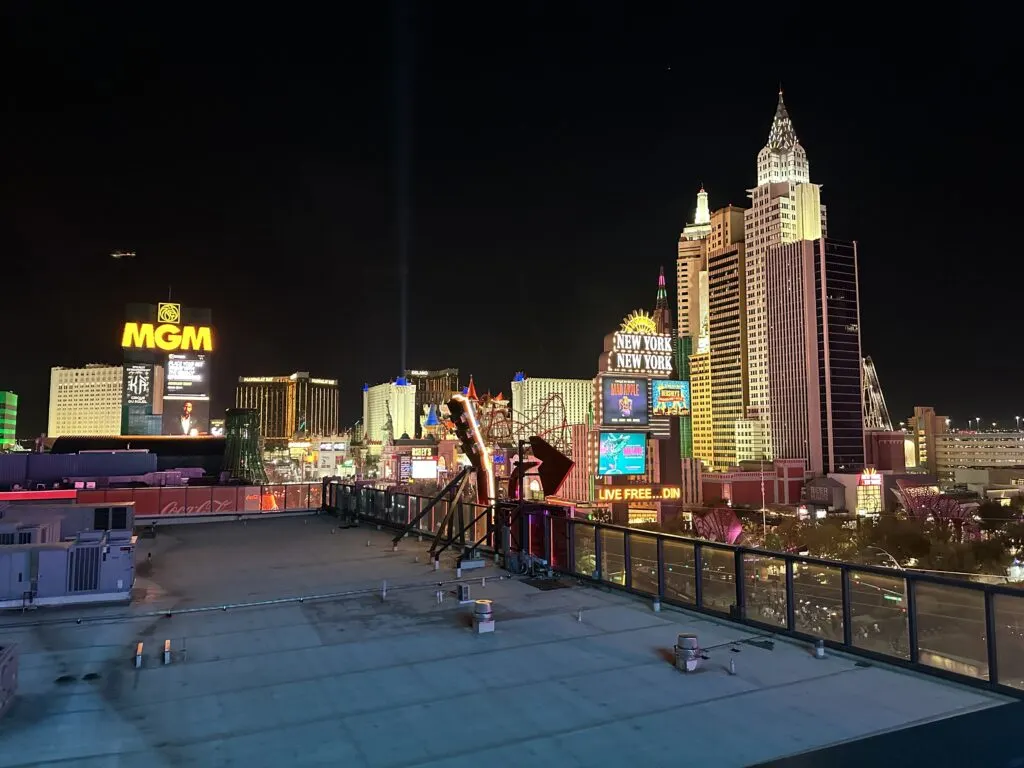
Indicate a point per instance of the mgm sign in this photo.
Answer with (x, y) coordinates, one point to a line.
(167, 334)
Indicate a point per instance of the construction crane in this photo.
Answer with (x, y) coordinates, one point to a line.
(876, 413)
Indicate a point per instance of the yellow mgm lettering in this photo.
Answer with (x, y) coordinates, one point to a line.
(167, 337)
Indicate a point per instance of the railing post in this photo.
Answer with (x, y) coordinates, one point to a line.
(547, 538)
(659, 560)
(571, 544)
(990, 636)
(598, 552)
(911, 593)
(698, 572)
(627, 562)
(741, 587)
(790, 608)
(847, 594)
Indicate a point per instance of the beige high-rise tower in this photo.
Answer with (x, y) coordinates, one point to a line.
(690, 262)
(692, 323)
(785, 208)
(727, 332)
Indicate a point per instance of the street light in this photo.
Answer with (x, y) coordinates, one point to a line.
(889, 555)
(1018, 422)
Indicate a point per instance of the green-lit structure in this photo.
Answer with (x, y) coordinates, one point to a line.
(683, 350)
(8, 418)
(243, 454)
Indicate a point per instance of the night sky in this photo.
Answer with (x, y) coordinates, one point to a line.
(536, 162)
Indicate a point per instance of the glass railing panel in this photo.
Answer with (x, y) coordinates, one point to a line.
(613, 557)
(818, 600)
(718, 578)
(878, 612)
(680, 577)
(764, 580)
(585, 549)
(951, 629)
(643, 563)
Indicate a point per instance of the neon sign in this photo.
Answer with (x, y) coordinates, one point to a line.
(870, 477)
(167, 337)
(649, 353)
(639, 493)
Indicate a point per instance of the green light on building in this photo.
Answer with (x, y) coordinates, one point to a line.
(8, 418)
(682, 349)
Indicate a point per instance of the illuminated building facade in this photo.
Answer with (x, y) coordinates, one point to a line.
(389, 413)
(750, 440)
(816, 368)
(923, 427)
(690, 264)
(780, 482)
(290, 407)
(785, 208)
(965, 449)
(85, 401)
(701, 416)
(8, 418)
(727, 332)
(535, 402)
(792, 367)
(579, 484)
(433, 388)
(840, 367)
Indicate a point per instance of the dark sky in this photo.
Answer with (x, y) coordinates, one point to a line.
(540, 159)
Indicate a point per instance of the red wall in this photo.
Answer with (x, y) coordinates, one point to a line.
(210, 500)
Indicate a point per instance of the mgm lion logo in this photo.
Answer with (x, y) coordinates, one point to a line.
(168, 313)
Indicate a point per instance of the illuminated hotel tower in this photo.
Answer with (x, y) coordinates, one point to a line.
(692, 328)
(785, 208)
(690, 262)
(727, 333)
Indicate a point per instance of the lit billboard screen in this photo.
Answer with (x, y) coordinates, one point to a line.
(178, 339)
(138, 384)
(622, 453)
(186, 375)
(424, 469)
(186, 417)
(624, 402)
(670, 398)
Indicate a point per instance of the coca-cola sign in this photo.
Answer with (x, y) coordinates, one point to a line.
(204, 507)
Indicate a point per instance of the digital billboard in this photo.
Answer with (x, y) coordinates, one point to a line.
(670, 397)
(624, 402)
(186, 375)
(138, 384)
(186, 417)
(178, 341)
(424, 469)
(622, 453)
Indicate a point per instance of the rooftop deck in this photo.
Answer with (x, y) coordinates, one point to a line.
(355, 680)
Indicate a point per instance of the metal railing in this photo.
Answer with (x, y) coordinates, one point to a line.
(961, 630)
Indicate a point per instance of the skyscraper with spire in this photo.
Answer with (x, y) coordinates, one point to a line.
(690, 262)
(662, 312)
(785, 208)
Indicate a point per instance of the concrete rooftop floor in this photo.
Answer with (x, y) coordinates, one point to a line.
(353, 681)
